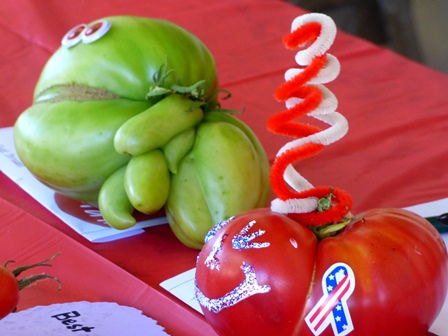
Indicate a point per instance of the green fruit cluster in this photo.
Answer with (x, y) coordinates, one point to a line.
(129, 122)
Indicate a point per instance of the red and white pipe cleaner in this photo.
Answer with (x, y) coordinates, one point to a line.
(304, 94)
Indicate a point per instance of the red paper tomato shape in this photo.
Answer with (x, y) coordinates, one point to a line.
(262, 273)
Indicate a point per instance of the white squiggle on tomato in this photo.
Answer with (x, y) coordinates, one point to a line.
(325, 112)
(244, 290)
(243, 240)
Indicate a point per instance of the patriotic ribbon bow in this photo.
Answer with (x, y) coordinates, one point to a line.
(338, 284)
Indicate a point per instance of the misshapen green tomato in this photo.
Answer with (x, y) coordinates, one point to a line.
(125, 121)
(85, 93)
(226, 172)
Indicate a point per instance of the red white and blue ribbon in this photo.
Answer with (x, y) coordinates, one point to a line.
(338, 284)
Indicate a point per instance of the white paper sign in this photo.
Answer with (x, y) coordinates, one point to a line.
(80, 318)
(82, 218)
(182, 287)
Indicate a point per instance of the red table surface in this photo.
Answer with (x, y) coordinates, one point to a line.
(395, 153)
(85, 275)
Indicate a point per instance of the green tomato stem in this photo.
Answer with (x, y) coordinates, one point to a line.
(332, 229)
(26, 281)
(194, 92)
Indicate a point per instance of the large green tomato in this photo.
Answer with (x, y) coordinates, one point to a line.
(118, 111)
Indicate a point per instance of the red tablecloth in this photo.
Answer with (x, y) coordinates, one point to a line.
(395, 153)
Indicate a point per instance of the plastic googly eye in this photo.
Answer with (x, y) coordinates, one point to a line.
(73, 36)
(95, 31)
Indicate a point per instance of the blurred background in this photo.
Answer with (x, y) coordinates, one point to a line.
(417, 29)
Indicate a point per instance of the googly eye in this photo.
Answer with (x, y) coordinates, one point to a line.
(73, 36)
(95, 31)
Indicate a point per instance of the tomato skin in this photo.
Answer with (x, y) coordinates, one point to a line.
(399, 261)
(9, 292)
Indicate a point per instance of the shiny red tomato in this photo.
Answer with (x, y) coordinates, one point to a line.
(10, 285)
(262, 273)
(9, 292)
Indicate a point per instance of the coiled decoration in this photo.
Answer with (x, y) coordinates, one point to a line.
(304, 94)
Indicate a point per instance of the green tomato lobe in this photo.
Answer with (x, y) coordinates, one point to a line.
(147, 181)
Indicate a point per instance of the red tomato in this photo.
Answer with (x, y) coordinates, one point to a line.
(261, 273)
(9, 292)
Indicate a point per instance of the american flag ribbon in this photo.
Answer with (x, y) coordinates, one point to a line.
(338, 284)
